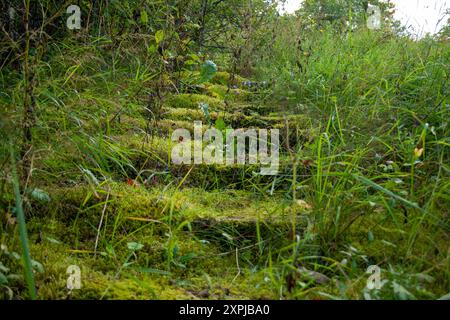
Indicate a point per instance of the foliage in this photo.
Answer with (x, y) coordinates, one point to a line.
(363, 180)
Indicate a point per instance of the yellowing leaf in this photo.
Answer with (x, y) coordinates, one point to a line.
(418, 152)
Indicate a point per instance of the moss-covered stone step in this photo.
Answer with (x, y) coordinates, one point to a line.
(154, 153)
(140, 201)
(207, 223)
(237, 119)
(222, 92)
(224, 78)
(221, 77)
(139, 211)
(217, 97)
(193, 100)
(176, 258)
(128, 155)
(160, 147)
(254, 108)
(196, 269)
(150, 154)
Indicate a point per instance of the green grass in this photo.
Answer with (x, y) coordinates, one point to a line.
(364, 177)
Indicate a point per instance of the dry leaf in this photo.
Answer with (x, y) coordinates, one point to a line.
(10, 220)
(304, 205)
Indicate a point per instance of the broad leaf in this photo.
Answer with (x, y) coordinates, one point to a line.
(40, 195)
(208, 71)
(159, 36)
(144, 17)
(134, 246)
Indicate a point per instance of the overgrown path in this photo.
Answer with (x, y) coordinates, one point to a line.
(107, 198)
(158, 230)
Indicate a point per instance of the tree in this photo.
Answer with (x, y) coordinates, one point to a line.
(343, 14)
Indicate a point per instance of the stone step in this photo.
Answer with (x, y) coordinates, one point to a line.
(154, 154)
(237, 119)
(134, 203)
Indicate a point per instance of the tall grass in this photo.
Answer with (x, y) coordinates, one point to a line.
(367, 183)
(26, 258)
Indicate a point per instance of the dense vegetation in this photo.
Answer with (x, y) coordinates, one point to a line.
(85, 168)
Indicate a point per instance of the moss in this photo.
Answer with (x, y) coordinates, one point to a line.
(192, 101)
(165, 127)
(252, 109)
(238, 119)
(230, 205)
(223, 77)
(132, 288)
(128, 124)
(129, 205)
(155, 156)
(187, 114)
(189, 75)
(124, 198)
(218, 91)
(99, 277)
(221, 92)
(204, 269)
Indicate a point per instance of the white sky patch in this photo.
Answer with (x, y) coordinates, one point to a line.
(422, 16)
(290, 6)
(419, 16)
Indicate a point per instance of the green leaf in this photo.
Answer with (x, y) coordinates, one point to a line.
(40, 195)
(37, 266)
(220, 124)
(159, 36)
(370, 237)
(134, 246)
(151, 49)
(445, 297)
(3, 279)
(208, 71)
(187, 257)
(194, 57)
(144, 17)
(205, 109)
(227, 236)
(52, 240)
(401, 292)
(127, 264)
(15, 255)
(14, 277)
(376, 186)
(3, 268)
(22, 228)
(91, 177)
